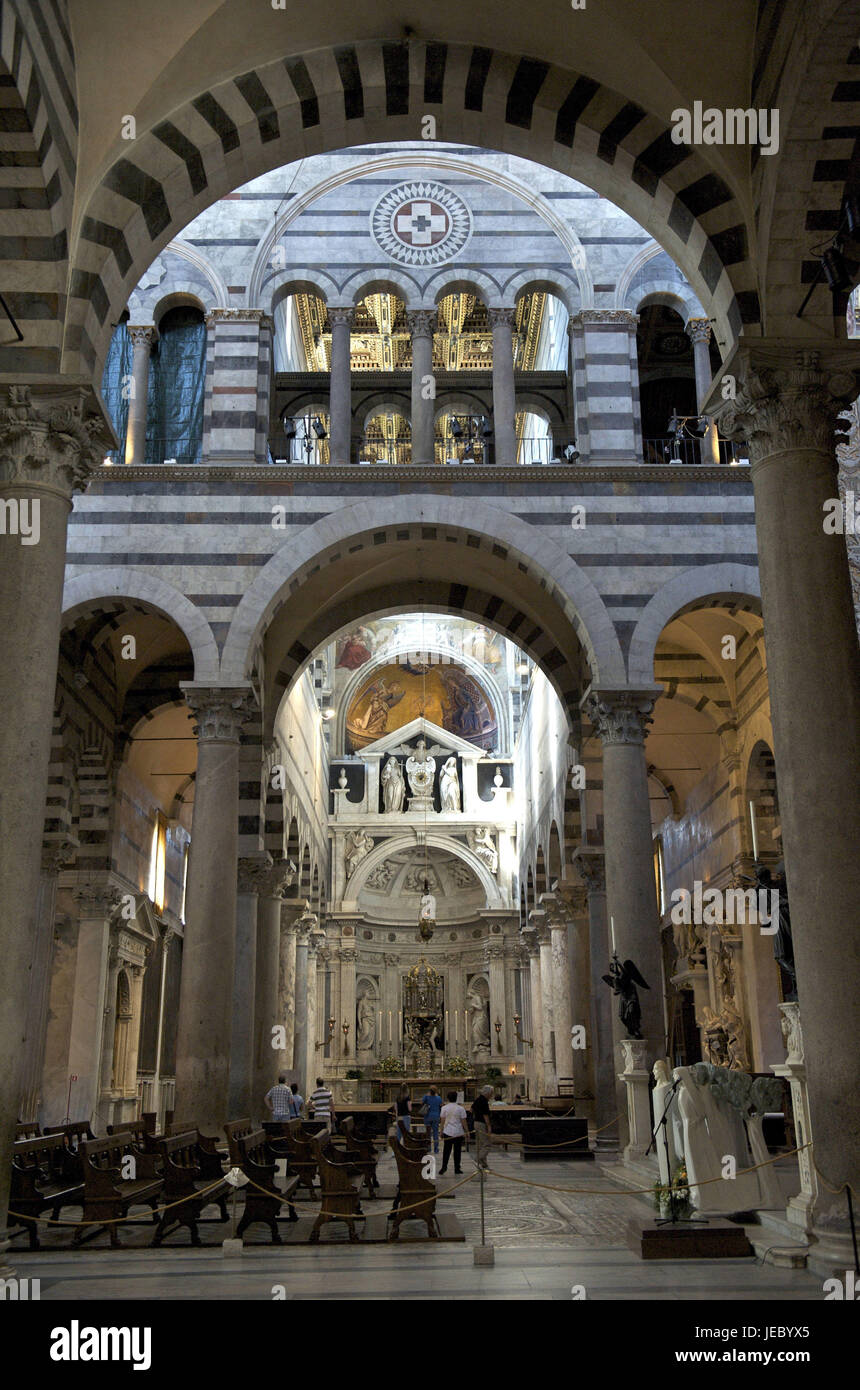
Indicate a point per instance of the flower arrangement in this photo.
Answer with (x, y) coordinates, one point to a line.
(673, 1198)
(355, 1074)
(391, 1066)
(458, 1066)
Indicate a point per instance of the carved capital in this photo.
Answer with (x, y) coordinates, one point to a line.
(143, 335)
(348, 955)
(238, 315)
(622, 318)
(698, 330)
(591, 865)
(55, 442)
(219, 711)
(253, 872)
(96, 899)
(422, 322)
(620, 716)
(575, 898)
(502, 318)
(636, 1054)
(787, 397)
(339, 316)
(57, 854)
(493, 950)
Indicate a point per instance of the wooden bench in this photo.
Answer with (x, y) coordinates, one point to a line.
(27, 1129)
(210, 1159)
(44, 1175)
(412, 1188)
(236, 1130)
(301, 1155)
(108, 1196)
(414, 1146)
(361, 1154)
(140, 1133)
(183, 1181)
(340, 1199)
(74, 1133)
(258, 1164)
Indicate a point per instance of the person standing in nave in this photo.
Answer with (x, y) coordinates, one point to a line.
(481, 1118)
(279, 1100)
(404, 1107)
(432, 1108)
(297, 1102)
(322, 1103)
(453, 1118)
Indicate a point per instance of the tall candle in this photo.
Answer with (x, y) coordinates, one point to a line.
(400, 1022)
(389, 1025)
(456, 1025)
(446, 1027)
(612, 929)
(754, 829)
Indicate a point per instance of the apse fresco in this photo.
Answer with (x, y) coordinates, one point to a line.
(409, 689)
(370, 640)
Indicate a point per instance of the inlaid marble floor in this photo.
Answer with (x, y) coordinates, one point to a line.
(546, 1242)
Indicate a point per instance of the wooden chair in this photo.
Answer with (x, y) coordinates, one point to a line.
(412, 1188)
(107, 1194)
(301, 1156)
(183, 1181)
(260, 1166)
(340, 1199)
(44, 1175)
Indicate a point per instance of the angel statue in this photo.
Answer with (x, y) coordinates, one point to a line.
(622, 980)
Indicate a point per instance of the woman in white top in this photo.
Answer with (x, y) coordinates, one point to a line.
(453, 1121)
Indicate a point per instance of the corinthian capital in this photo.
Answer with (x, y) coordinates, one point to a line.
(143, 335)
(698, 330)
(56, 441)
(220, 711)
(501, 317)
(620, 716)
(591, 865)
(340, 316)
(781, 397)
(254, 872)
(422, 322)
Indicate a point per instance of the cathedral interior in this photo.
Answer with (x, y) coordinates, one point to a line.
(431, 592)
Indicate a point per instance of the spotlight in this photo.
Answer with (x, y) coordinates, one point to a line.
(852, 216)
(290, 429)
(328, 712)
(571, 452)
(835, 270)
(320, 429)
(486, 428)
(457, 430)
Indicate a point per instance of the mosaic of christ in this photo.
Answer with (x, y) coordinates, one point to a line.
(397, 693)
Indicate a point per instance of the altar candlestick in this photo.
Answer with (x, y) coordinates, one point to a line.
(754, 829)
(400, 1022)
(456, 1025)
(389, 1025)
(379, 1030)
(612, 929)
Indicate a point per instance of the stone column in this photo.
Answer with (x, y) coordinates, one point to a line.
(103, 1111)
(786, 406)
(636, 1079)
(130, 1076)
(290, 912)
(801, 1205)
(203, 1041)
(609, 428)
(559, 984)
(536, 1000)
(92, 1008)
(268, 1060)
(53, 857)
(241, 1099)
(699, 333)
(548, 1061)
(340, 385)
(49, 447)
(348, 957)
(504, 391)
(589, 861)
(300, 1046)
(313, 1067)
(422, 323)
(494, 964)
(143, 336)
(238, 379)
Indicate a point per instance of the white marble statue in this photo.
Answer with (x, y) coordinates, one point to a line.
(479, 1023)
(660, 1098)
(482, 844)
(449, 786)
(393, 786)
(358, 847)
(713, 1132)
(421, 769)
(366, 1034)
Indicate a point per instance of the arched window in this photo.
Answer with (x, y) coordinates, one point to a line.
(174, 416)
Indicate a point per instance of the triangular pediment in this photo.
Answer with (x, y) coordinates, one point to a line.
(435, 738)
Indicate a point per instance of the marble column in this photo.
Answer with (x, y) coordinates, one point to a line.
(241, 1099)
(54, 857)
(699, 333)
(267, 1060)
(786, 403)
(549, 1060)
(300, 1046)
(91, 1007)
(504, 391)
(129, 1080)
(422, 323)
(143, 338)
(589, 861)
(314, 1060)
(290, 913)
(534, 1057)
(340, 385)
(348, 957)
(51, 440)
(557, 922)
(103, 1107)
(203, 1042)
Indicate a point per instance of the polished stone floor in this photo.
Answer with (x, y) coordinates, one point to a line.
(546, 1241)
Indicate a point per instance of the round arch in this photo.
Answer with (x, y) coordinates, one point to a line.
(295, 280)
(436, 841)
(470, 281)
(725, 583)
(569, 604)
(86, 589)
(139, 216)
(363, 283)
(546, 282)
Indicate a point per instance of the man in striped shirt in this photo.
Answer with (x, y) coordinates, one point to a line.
(322, 1103)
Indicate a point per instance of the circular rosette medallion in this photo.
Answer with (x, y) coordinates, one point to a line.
(420, 224)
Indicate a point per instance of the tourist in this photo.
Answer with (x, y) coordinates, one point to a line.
(404, 1106)
(453, 1119)
(278, 1100)
(481, 1118)
(432, 1107)
(322, 1103)
(297, 1102)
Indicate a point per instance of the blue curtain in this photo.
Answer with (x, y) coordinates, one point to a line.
(174, 417)
(116, 376)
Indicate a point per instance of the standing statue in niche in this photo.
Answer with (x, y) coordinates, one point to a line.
(449, 786)
(393, 786)
(783, 944)
(479, 1022)
(366, 1032)
(622, 980)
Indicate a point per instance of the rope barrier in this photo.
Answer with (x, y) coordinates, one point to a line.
(117, 1220)
(431, 1197)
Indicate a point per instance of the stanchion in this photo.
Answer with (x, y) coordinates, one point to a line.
(483, 1254)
